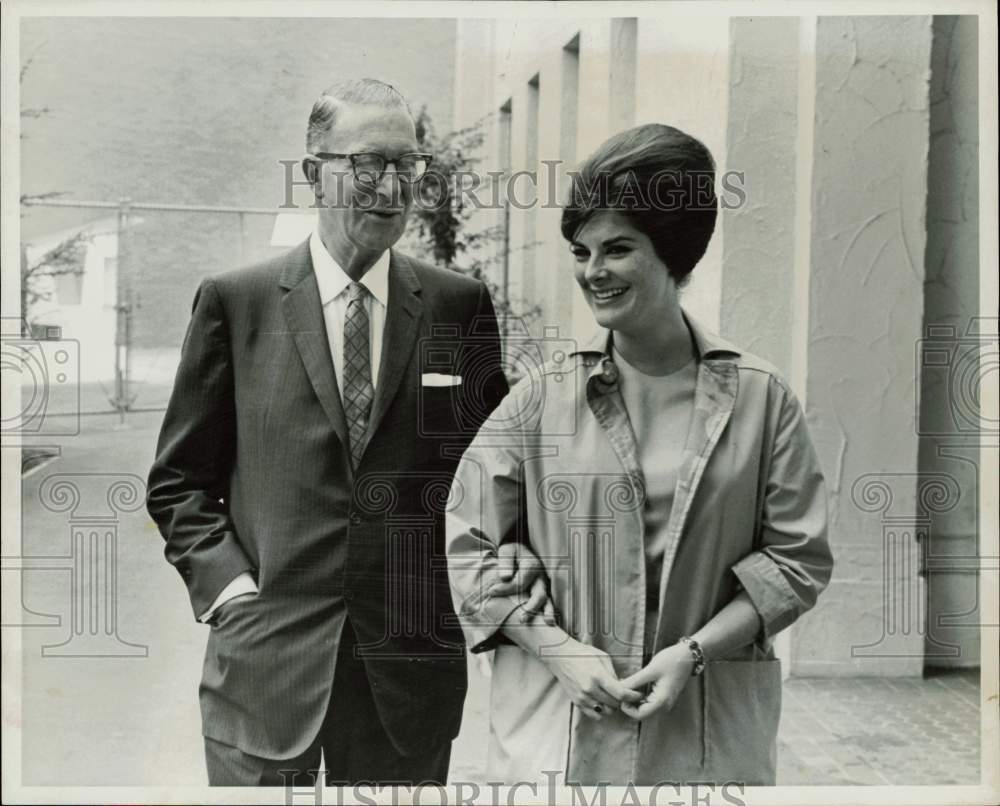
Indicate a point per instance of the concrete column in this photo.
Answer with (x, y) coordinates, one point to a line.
(474, 69)
(593, 128)
(476, 104)
(866, 291)
(951, 425)
(681, 80)
(621, 87)
(564, 288)
(557, 111)
(594, 125)
(758, 259)
(520, 191)
(758, 256)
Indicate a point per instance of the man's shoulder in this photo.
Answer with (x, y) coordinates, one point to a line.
(435, 279)
(264, 273)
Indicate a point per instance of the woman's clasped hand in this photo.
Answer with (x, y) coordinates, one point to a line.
(587, 675)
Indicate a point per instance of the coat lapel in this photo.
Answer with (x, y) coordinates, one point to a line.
(608, 408)
(402, 320)
(715, 393)
(303, 311)
(714, 400)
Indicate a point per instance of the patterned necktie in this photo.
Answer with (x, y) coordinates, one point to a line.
(358, 389)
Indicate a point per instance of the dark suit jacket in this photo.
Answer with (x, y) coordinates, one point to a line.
(252, 473)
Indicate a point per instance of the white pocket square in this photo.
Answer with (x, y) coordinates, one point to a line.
(439, 379)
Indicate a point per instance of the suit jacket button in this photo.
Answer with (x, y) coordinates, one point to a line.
(355, 519)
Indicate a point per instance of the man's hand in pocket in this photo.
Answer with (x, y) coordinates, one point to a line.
(227, 605)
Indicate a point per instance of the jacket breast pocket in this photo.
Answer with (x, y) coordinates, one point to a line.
(742, 711)
(439, 413)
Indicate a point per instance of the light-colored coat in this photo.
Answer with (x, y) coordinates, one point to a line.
(556, 467)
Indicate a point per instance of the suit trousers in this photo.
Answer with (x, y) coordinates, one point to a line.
(354, 745)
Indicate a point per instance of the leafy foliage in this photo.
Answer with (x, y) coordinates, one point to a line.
(446, 228)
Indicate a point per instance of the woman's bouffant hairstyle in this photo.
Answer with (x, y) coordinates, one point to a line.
(662, 180)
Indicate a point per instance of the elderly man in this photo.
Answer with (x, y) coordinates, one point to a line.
(321, 404)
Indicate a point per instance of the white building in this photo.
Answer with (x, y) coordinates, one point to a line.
(83, 303)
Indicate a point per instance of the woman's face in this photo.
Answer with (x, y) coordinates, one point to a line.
(626, 285)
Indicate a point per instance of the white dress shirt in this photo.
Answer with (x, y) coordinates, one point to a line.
(333, 282)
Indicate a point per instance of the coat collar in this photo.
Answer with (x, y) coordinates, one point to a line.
(299, 264)
(708, 345)
(332, 279)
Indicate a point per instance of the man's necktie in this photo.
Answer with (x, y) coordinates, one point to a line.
(358, 390)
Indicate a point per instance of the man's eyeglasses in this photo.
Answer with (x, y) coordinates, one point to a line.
(369, 166)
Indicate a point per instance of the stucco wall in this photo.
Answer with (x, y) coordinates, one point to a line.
(865, 308)
(759, 244)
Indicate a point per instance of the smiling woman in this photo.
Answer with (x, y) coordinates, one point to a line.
(662, 180)
(642, 210)
(697, 532)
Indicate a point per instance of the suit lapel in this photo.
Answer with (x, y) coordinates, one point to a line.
(402, 321)
(303, 311)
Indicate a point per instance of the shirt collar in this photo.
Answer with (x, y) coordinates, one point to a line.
(333, 280)
(707, 344)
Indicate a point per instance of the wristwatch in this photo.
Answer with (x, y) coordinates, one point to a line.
(696, 652)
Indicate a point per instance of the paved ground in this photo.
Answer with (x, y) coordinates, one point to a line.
(880, 730)
(856, 731)
(132, 719)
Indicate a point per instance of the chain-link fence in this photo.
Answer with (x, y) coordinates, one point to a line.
(106, 295)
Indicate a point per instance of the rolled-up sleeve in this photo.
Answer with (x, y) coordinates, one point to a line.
(484, 511)
(793, 562)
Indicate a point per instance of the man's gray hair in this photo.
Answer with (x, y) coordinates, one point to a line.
(362, 91)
